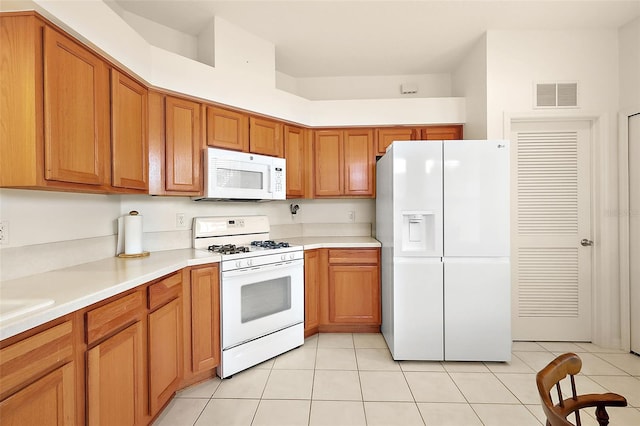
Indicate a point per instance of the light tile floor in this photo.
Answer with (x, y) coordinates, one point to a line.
(351, 379)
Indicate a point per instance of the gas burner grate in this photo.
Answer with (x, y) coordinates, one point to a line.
(270, 244)
(228, 249)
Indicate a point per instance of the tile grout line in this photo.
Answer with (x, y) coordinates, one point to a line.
(461, 393)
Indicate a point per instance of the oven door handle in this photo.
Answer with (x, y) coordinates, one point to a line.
(262, 269)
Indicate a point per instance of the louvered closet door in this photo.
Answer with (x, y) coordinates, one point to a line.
(551, 215)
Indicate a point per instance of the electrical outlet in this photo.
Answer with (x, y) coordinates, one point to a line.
(351, 215)
(180, 221)
(4, 232)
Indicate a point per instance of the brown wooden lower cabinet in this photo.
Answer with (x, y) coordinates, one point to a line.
(312, 277)
(48, 401)
(202, 346)
(118, 362)
(116, 379)
(165, 340)
(354, 294)
(346, 286)
(38, 383)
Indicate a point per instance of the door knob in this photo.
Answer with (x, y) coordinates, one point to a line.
(586, 243)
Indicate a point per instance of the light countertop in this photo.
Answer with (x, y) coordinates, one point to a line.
(79, 286)
(310, 243)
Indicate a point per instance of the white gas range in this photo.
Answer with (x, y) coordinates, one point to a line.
(261, 289)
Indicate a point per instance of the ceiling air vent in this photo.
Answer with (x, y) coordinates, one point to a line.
(556, 95)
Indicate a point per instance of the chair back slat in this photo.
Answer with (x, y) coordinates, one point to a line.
(574, 396)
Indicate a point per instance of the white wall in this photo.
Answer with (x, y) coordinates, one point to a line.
(251, 58)
(160, 212)
(518, 59)
(38, 217)
(470, 82)
(162, 36)
(372, 87)
(243, 76)
(629, 52)
(51, 230)
(206, 45)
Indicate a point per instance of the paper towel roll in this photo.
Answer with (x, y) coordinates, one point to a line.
(133, 233)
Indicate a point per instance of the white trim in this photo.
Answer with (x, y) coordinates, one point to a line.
(623, 214)
(604, 331)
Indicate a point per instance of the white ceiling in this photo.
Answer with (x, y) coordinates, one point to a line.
(325, 38)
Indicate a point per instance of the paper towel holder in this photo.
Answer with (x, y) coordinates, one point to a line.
(142, 254)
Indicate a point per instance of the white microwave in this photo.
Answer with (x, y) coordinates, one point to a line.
(233, 175)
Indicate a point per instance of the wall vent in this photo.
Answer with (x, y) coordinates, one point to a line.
(556, 95)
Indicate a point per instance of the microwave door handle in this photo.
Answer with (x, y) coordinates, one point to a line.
(272, 181)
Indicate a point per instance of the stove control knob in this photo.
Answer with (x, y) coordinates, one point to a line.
(238, 263)
(292, 256)
(283, 257)
(249, 262)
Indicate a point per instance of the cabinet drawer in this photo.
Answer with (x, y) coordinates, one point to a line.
(34, 356)
(113, 316)
(351, 256)
(165, 290)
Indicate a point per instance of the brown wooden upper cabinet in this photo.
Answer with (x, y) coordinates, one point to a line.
(386, 135)
(76, 115)
(175, 145)
(344, 163)
(265, 137)
(129, 142)
(295, 152)
(227, 129)
(54, 109)
(441, 133)
(66, 124)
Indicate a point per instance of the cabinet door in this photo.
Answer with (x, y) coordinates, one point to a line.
(359, 162)
(354, 294)
(311, 291)
(205, 318)
(328, 163)
(385, 136)
(48, 401)
(129, 146)
(265, 137)
(227, 129)
(183, 146)
(165, 353)
(442, 133)
(294, 153)
(116, 379)
(76, 112)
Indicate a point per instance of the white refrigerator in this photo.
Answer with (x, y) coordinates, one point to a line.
(442, 216)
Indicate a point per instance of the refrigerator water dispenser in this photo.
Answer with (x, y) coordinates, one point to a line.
(418, 231)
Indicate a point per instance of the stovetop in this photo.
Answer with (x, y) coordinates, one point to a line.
(225, 249)
(242, 241)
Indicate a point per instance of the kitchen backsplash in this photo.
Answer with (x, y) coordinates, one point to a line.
(51, 230)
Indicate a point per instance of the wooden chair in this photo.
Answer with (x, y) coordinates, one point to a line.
(550, 376)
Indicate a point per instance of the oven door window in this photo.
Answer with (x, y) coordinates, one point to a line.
(260, 301)
(265, 298)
